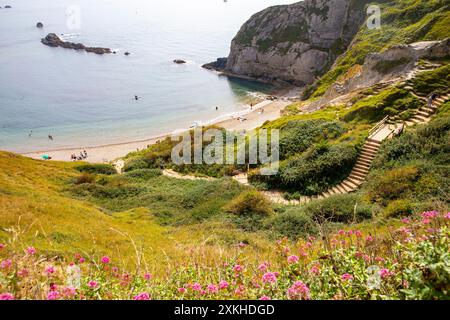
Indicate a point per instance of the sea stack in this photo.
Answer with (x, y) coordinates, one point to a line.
(39, 25)
(179, 61)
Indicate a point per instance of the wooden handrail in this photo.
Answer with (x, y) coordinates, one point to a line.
(378, 126)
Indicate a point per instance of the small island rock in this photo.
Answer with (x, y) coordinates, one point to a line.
(179, 61)
(39, 25)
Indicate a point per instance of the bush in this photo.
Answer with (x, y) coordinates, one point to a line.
(398, 208)
(437, 80)
(85, 178)
(136, 164)
(250, 203)
(344, 208)
(143, 174)
(314, 171)
(392, 184)
(298, 135)
(388, 102)
(292, 223)
(97, 169)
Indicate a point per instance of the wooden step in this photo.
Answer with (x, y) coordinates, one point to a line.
(423, 113)
(362, 167)
(373, 141)
(346, 188)
(367, 156)
(427, 110)
(359, 171)
(359, 175)
(357, 182)
(416, 121)
(364, 161)
(370, 147)
(350, 185)
(420, 118)
(342, 189)
(336, 190)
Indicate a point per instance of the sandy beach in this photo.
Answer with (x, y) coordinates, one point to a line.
(266, 110)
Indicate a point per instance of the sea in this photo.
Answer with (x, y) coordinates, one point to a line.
(83, 99)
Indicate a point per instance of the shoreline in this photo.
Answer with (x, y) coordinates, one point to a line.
(109, 152)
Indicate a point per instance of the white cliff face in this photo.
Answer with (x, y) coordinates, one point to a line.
(295, 43)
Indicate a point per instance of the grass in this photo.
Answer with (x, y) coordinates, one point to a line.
(35, 199)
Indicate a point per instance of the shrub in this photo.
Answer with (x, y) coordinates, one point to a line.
(392, 184)
(398, 208)
(314, 171)
(250, 203)
(339, 208)
(437, 80)
(293, 223)
(143, 174)
(388, 102)
(135, 164)
(97, 169)
(85, 178)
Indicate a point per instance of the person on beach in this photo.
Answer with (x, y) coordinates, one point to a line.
(50, 137)
(136, 98)
(30, 134)
(85, 154)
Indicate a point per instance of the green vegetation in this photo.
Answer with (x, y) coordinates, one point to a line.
(387, 66)
(437, 80)
(403, 22)
(391, 102)
(97, 169)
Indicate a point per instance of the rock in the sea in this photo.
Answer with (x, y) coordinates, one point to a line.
(295, 43)
(52, 40)
(8, 7)
(179, 61)
(39, 25)
(127, 53)
(219, 65)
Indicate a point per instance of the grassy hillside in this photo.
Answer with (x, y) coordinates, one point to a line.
(41, 204)
(402, 22)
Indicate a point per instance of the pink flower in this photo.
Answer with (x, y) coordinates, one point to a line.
(212, 288)
(405, 220)
(81, 260)
(142, 296)
(347, 277)
(6, 264)
(106, 260)
(385, 273)
(269, 277)
(447, 216)
(299, 291)
(379, 259)
(69, 292)
(50, 270)
(196, 287)
(238, 268)
(242, 245)
(22, 273)
(6, 296)
(223, 285)
(292, 259)
(2, 245)
(147, 276)
(341, 232)
(265, 298)
(181, 290)
(358, 233)
(263, 267)
(92, 284)
(430, 214)
(369, 239)
(53, 295)
(315, 270)
(31, 251)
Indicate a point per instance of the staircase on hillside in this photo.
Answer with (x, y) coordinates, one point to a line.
(382, 131)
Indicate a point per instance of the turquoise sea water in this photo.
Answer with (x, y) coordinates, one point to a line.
(83, 99)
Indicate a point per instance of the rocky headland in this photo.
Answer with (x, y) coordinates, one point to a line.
(294, 43)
